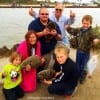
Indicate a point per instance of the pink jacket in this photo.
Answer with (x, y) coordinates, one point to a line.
(22, 49)
(29, 81)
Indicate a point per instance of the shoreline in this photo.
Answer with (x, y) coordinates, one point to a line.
(50, 6)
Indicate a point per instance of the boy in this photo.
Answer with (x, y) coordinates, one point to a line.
(12, 78)
(66, 73)
(84, 40)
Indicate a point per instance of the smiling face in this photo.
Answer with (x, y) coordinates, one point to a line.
(44, 14)
(32, 39)
(61, 57)
(58, 10)
(86, 24)
(15, 58)
(86, 21)
(61, 53)
(16, 61)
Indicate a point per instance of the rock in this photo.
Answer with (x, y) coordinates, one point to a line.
(34, 61)
(5, 51)
(47, 74)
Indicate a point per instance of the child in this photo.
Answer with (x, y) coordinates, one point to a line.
(12, 78)
(66, 73)
(85, 39)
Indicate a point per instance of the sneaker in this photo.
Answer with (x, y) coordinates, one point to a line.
(74, 91)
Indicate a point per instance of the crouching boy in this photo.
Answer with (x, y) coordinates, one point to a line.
(66, 73)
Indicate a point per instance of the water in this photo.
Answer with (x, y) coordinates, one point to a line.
(14, 22)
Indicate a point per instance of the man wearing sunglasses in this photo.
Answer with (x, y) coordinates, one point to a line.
(60, 19)
(39, 26)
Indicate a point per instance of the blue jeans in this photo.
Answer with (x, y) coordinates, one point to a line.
(66, 41)
(81, 61)
(60, 89)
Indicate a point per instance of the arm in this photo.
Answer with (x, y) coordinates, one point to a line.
(4, 71)
(70, 20)
(58, 35)
(73, 31)
(33, 13)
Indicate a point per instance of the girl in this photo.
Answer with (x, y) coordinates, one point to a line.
(12, 78)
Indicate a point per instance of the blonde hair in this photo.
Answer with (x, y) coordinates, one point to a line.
(14, 55)
(60, 5)
(61, 48)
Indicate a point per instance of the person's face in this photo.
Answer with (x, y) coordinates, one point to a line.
(61, 58)
(17, 61)
(86, 24)
(58, 10)
(44, 15)
(32, 39)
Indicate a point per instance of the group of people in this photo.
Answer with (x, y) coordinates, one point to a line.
(68, 72)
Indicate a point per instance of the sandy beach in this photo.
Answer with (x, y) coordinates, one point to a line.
(90, 90)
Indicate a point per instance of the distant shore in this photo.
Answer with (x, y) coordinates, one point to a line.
(50, 6)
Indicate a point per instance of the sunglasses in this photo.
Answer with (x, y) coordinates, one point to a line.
(44, 14)
(58, 9)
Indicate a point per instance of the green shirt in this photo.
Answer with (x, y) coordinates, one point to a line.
(13, 77)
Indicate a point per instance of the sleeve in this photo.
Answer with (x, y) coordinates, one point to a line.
(73, 31)
(35, 14)
(34, 25)
(30, 26)
(0, 75)
(70, 21)
(38, 49)
(3, 70)
(58, 29)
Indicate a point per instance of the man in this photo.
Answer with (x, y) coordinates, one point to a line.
(39, 26)
(60, 19)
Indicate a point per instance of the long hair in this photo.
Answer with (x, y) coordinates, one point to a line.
(29, 46)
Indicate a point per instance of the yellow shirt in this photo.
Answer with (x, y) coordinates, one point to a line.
(13, 77)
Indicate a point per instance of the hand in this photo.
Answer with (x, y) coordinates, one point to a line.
(58, 73)
(58, 37)
(46, 31)
(47, 82)
(42, 60)
(72, 14)
(27, 67)
(4, 74)
(53, 32)
(31, 12)
(67, 26)
(95, 41)
(89, 76)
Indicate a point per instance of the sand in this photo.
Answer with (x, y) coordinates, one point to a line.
(90, 90)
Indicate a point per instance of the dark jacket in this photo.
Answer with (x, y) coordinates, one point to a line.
(84, 38)
(69, 73)
(37, 26)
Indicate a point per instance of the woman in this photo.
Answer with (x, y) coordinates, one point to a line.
(30, 46)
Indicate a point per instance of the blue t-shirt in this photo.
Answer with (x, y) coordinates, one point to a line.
(46, 46)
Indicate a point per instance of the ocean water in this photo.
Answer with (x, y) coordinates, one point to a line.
(14, 22)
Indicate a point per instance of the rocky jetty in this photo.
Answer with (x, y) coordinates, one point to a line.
(5, 51)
